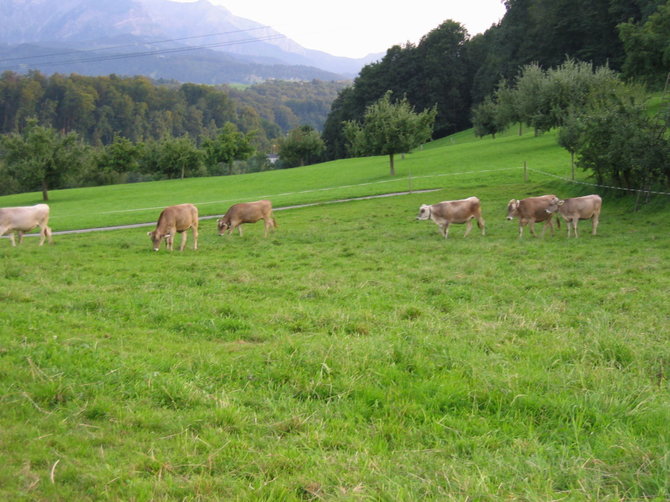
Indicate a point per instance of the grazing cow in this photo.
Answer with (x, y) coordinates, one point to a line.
(578, 208)
(246, 212)
(531, 210)
(175, 219)
(454, 211)
(24, 219)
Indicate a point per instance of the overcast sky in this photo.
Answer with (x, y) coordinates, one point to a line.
(355, 28)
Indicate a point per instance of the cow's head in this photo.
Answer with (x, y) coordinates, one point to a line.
(554, 204)
(222, 226)
(512, 209)
(156, 238)
(424, 212)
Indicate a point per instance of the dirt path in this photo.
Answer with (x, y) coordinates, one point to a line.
(282, 208)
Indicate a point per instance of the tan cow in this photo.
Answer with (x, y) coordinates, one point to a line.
(23, 219)
(578, 208)
(173, 220)
(246, 212)
(532, 210)
(454, 211)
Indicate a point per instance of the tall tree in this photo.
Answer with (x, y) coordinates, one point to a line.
(42, 158)
(390, 128)
(301, 146)
(228, 145)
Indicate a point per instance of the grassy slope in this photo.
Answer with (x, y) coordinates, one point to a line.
(141, 202)
(353, 355)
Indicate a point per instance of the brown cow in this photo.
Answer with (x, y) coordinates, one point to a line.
(246, 212)
(530, 211)
(578, 208)
(23, 219)
(175, 219)
(454, 211)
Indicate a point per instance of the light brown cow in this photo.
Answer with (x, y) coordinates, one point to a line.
(246, 212)
(454, 211)
(23, 219)
(578, 208)
(532, 210)
(172, 220)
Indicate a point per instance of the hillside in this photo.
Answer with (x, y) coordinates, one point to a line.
(354, 354)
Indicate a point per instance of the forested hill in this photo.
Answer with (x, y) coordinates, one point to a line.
(455, 71)
(138, 109)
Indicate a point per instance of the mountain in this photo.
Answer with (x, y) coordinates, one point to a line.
(196, 42)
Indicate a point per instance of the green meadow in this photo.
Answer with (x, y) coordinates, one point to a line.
(354, 354)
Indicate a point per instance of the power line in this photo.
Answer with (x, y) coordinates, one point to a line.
(100, 57)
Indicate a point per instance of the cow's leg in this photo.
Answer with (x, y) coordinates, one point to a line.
(594, 224)
(11, 238)
(184, 238)
(575, 222)
(481, 224)
(169, 240)
(20, 234)
(266, 222)
(532, 228)
(239, 229)
(44, 231)
(445, 230)
(520, 229)
(195, 237)
(468, 227)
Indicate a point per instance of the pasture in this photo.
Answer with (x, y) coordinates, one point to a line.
(352, 355)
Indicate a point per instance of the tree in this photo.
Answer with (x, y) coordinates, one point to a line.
(620, 143)
(301, 146)
(389, 128)
(178, 158)
(227, 146)
(647, 47)
(42, 158)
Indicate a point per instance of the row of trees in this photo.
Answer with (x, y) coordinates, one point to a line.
(603, 122)
(42, 158)
(453, 71)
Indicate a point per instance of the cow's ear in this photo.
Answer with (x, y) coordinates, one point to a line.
(561, 202)
(167, 235)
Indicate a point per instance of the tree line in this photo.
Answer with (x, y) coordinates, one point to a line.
(453, 71)
(103, 130)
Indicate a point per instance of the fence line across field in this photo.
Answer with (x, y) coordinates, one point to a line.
(635, 190)
(325, 189)
(409, 178)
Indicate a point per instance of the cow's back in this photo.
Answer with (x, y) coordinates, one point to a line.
(583, 208)
(456, 211)
(180, 217)
(535, 208)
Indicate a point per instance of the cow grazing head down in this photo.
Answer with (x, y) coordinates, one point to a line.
(222, 226)
(156, 237)
(512, 209)
(424, 212)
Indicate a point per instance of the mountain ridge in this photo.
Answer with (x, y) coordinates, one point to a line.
(162, 30)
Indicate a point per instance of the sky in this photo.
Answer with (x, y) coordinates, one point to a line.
(356, 28)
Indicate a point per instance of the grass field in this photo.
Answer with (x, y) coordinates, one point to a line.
(353, 355)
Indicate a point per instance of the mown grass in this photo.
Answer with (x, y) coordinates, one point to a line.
(353, 355)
